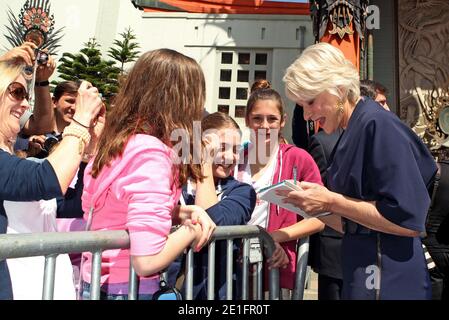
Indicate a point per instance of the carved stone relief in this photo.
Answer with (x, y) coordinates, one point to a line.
(424, 71)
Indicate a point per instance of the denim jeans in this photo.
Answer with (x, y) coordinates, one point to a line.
(85, 294)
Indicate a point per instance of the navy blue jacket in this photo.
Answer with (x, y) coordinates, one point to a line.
(69, 206)
(380, 159)
(235, 208)
(22, 180)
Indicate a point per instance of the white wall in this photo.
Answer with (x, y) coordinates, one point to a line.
(201, 35)
(82, 19)
(79, 23)
(196, 35)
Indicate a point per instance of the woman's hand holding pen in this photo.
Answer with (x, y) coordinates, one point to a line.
(313, 199)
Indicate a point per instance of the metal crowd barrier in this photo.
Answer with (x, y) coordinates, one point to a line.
(51, 245)
(302, 258)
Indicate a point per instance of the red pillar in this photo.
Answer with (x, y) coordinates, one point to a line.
(349, 45)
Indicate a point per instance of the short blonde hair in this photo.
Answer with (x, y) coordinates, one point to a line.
(322, 68)
(8, 73)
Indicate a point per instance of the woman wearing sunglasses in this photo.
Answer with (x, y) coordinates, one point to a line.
(41, 119)
(22, 180)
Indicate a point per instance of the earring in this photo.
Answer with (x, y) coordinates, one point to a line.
(340, 107)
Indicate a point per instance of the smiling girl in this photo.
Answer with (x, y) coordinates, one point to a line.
(227, 201)
(22, 180)
(269, 160)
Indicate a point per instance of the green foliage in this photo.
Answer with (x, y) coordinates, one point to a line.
(125, 50)
(89, 65)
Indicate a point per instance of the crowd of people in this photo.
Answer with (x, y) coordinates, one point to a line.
(122, 170)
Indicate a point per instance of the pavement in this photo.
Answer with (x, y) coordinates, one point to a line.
(311, 292)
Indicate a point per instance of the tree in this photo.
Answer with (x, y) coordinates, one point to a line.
(89, 65)
(126, 50)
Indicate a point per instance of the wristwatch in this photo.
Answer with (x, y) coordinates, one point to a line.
(42, 84)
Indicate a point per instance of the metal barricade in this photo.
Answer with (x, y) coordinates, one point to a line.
(50, 245)
(229, 234)
(301, 268)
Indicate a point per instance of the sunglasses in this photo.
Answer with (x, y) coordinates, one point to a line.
(18, 91)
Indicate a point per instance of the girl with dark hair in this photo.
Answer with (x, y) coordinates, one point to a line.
(267, 161)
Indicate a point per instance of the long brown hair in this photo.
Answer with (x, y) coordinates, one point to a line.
(219, 120)
(164, 91)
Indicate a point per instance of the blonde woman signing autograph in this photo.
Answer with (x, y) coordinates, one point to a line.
(377, 180)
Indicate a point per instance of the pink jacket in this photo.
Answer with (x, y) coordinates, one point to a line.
(307, 170)
(137, 192)
(288, 157)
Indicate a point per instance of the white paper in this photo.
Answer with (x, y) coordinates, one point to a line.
(270, 195)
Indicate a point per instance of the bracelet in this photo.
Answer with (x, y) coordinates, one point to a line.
(81, 133)
(87, 156)
(42, 84)
(82, 125)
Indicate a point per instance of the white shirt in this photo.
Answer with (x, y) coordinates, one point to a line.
(27, 274)
(261, 211)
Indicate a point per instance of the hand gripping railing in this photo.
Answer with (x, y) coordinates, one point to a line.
(51, 245)
(229, 234)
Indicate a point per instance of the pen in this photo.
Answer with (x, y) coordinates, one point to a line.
(295, 173)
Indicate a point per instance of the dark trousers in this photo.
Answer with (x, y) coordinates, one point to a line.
(440, 275)
(329, 288)
(5, 282)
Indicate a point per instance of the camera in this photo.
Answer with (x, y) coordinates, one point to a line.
(50, 141)
(41, 57)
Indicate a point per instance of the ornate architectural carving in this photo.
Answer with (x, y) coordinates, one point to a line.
(424, 70)
(342, 14)
(35, 23)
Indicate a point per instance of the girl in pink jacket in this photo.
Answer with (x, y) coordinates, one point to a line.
(269, 160)
(134, 181)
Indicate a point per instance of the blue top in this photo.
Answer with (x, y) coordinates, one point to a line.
(237, 202)
(236, 205)
(22, 180)
(379, 158)
(70, 205)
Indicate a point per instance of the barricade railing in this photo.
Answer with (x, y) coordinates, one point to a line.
(50, 245)
(229, 234)
(301, 269)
